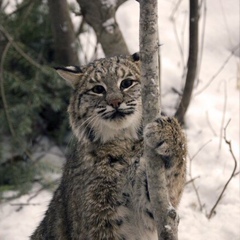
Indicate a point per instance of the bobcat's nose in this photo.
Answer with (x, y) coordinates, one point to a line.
(115, 103)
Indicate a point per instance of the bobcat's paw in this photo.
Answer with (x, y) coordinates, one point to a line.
(162, 135)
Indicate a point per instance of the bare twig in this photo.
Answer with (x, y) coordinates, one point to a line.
(194, 186)
(198, 196)
(179, 45)
(3, 5)
(21, 205)
(228, 142)
(20, 8)
(27, 203)
(190, 174)
(223, 116)
(236, 173)
(200, 149)
(41, 189)
(191, 180)
(210, 125)
(219, 70)
(182, 43)
(4, 100)
(175, 9)
(229, 35)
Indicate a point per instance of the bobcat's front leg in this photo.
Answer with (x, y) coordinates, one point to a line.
(165, 137)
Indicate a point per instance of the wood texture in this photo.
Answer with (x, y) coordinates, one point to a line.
(63, 33)
(100, 15)
(192, 61)
(164, 214)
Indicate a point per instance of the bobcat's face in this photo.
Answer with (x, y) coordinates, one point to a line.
(106, 102)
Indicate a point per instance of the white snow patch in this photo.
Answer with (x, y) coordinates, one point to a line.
(213, 163)
(109, 3)
(168, 227)
(109, 25)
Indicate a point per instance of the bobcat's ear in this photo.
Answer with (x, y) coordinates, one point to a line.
(71, 74)
(136, 57)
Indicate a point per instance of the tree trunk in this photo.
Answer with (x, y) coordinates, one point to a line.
(192, 61)
(63, 33)
(164, 215)
(100, 15)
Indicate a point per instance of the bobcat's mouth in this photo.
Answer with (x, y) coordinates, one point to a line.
(117, 114)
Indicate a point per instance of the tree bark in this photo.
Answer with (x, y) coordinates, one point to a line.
(164, 214)
(63, 33)
(192, 61)
(100, 15)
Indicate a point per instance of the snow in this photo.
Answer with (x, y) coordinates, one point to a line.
(109, 25)
(109, 3)
(209, 112)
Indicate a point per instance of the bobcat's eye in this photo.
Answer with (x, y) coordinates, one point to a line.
(98, 89)
(126, 83)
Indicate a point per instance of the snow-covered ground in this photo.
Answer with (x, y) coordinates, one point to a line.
(211, 108)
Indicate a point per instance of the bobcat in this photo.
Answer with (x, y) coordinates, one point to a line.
(103, 193)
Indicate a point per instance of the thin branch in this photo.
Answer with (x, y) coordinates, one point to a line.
(21, 205)
(180, 48)
(198, 196)
(27, 203)
(41, 189)
(210, 125)
(204, 6)
(223, 115)
(226, 23)
(175, 9)
(219, 70)
(191, 180)
(182, 42)
(3, 7)
(175, 90)
(194, 186)
(19, 8)
(190, 174)
(200, 149)
(4, 100)
(228, 142)
(21, 52)
(236, 173)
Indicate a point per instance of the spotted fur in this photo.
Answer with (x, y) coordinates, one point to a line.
(104, 189)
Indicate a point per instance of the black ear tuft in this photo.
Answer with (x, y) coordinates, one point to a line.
(72, 69)
(71, 74)
(136, 57)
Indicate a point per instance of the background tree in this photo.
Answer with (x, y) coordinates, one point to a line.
(192, 61)
(101, 16)
(164, 215)
(65, 42)
(33, 98)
